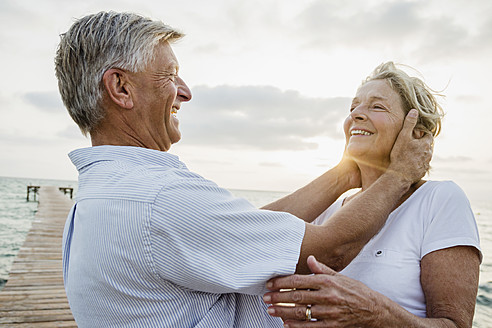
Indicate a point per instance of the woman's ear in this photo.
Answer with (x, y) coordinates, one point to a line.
(417, 134)
(115, 83)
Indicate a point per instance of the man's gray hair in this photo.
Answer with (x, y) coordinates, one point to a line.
(95, 44)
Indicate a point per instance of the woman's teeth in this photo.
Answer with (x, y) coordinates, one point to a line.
(360, 132)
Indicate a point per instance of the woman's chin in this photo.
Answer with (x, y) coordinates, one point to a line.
(356, 152)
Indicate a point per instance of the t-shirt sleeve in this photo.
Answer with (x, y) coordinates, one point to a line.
(203, 238)
(452, 222)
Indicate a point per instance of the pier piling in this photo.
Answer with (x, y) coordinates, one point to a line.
(34, 190)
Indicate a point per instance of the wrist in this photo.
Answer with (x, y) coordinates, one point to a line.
(397, 181)
(348, 176)
(344, 179)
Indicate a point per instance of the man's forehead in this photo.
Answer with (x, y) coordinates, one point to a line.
(166, 57)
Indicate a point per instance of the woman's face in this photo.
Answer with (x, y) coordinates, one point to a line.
(375, 120)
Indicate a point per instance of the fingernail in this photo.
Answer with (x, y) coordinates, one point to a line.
(267, 298)
(413, 113)
(271, 310)
(286, 325)
(269, 285)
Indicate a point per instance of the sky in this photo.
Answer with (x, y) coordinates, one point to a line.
(272, 82)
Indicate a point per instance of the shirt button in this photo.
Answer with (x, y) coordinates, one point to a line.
(379, 253)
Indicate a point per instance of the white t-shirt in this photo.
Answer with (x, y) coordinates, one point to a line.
(436, 216)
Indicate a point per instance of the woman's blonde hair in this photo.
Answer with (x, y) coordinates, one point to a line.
(414, 93)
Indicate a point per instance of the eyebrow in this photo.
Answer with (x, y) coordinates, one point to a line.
(378, 97)
(372, 98)
(174, 69)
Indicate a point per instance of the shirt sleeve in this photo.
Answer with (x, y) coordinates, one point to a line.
(452, 222)
(203, 238)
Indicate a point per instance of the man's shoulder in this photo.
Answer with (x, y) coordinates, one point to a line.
(139, 156)
(127, 173)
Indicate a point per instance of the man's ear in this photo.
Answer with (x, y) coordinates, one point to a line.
(115, 82)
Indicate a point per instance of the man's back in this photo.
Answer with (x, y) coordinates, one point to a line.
(141, 248)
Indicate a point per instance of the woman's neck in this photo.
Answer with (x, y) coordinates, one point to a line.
(370, 172)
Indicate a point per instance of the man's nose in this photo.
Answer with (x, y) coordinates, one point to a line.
(184, 93)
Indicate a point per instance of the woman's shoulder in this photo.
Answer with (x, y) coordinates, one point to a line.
(444, 199)
(446, 189)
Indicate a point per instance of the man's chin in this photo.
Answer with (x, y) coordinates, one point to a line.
(175, 138)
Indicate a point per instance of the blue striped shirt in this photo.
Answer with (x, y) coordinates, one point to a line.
(150, 244)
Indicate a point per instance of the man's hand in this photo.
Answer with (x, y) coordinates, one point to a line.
(410, 156)
(335, 300)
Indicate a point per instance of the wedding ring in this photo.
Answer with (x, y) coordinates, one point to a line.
(308, 313)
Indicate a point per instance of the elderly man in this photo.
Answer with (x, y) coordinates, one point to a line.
(149, 243)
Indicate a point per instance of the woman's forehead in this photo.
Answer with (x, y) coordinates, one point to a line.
(377, 89)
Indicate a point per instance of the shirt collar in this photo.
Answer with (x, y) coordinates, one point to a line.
(136, 155)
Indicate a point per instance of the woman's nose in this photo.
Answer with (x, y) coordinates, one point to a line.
(358, 114)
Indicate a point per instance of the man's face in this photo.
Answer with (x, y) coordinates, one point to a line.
(159, 92)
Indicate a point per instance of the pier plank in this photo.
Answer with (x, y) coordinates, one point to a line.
(34, 295)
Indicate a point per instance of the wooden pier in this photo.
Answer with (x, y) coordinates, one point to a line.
(34, 295)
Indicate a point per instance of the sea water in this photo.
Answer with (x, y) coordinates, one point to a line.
(16, 215)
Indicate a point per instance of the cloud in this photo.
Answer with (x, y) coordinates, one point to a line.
(468, 99)
(403, 27)
(260, 117)
(70, 132)
(271, 164)
(451, 159)
(471, 171)
(45, 101)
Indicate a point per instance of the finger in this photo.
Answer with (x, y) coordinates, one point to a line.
(318, 267)
(427, 143)
(295, 312)
(294, 281)
(312, 324)
(428, 138)
(298, 296)
(410, 122)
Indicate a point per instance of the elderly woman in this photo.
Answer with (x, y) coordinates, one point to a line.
(425, 260)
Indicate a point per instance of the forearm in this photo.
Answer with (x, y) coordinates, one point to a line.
(392, 315)
(313, 199)
(342, 237)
